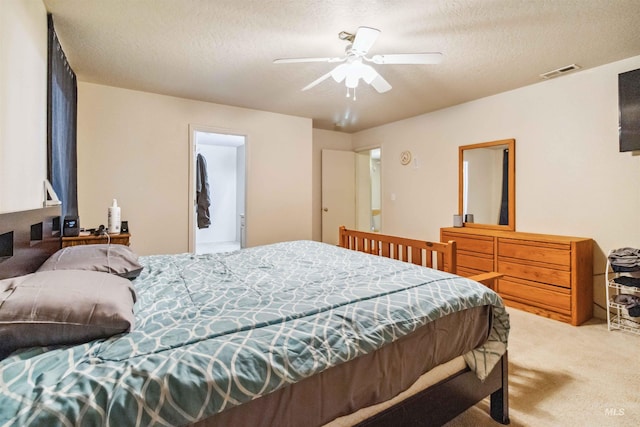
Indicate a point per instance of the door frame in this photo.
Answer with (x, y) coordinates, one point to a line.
(191, 200)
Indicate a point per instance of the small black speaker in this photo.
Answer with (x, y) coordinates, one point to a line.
(124, 226)
(100, 231)
(71, 226)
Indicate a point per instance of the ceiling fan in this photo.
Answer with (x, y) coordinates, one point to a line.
(354, 65)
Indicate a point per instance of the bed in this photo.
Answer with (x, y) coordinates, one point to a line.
(294, 333)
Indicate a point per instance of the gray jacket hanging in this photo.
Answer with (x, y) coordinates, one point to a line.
(203, 198)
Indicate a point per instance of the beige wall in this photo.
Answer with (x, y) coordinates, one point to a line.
(570, 177)
(323, 140)
(23, 104)
(134, 146)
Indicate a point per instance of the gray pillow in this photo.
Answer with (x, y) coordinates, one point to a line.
(63, 307)
(116, 259)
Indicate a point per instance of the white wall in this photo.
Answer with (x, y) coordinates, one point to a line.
(23, 104)
(134, 146)
(571, 178)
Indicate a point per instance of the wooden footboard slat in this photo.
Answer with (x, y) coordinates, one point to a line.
(373, 247)
(416, 255)
(377, 248)
(404, 257)
(429, 259)
(386, 249)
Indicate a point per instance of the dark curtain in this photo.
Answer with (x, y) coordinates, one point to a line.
(62, 109)
(504, 204)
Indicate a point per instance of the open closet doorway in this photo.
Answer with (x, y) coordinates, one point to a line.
(351, 191)
(368, 190)
(219, 164)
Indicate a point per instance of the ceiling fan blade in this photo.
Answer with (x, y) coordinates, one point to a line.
(380, 84)
(408, 58)
(368, 73)
(365, 38)
(294, 60)
(317, 81)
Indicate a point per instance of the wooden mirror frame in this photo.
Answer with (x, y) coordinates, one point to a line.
(511, 146)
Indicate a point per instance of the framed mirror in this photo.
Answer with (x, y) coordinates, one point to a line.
(486, 184)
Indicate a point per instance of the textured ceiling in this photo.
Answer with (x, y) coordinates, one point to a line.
(222, 51)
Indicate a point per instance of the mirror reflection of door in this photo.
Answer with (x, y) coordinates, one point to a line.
(350, 192)
(483, 184)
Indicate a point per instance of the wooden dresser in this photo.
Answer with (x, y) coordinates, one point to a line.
(544, 274)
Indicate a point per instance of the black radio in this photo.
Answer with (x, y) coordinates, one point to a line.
(71, 226)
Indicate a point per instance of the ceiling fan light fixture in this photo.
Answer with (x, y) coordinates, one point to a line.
(356, 70)
(352, 80)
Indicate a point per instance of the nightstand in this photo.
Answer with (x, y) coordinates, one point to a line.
(116, 239)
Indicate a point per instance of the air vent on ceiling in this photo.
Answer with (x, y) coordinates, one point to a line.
(560, 71)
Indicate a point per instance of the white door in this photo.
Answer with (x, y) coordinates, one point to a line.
(338, 193)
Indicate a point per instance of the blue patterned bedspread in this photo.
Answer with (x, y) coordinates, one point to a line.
(214, 331)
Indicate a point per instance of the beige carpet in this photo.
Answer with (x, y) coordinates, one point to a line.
(561, 375)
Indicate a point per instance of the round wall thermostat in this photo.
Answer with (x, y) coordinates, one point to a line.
(405, 157)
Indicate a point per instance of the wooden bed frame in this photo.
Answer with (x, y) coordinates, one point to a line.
(438, 255)
(449, 398)
(28, 238)
(441, 256)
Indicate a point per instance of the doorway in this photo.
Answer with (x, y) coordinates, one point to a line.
(368, 190)
(224, 156)
(351, 191)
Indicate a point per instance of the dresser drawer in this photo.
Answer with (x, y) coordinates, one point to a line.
(536, 294)
(535, 273)
(480, 244)
(475, 262)
(549, 253)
